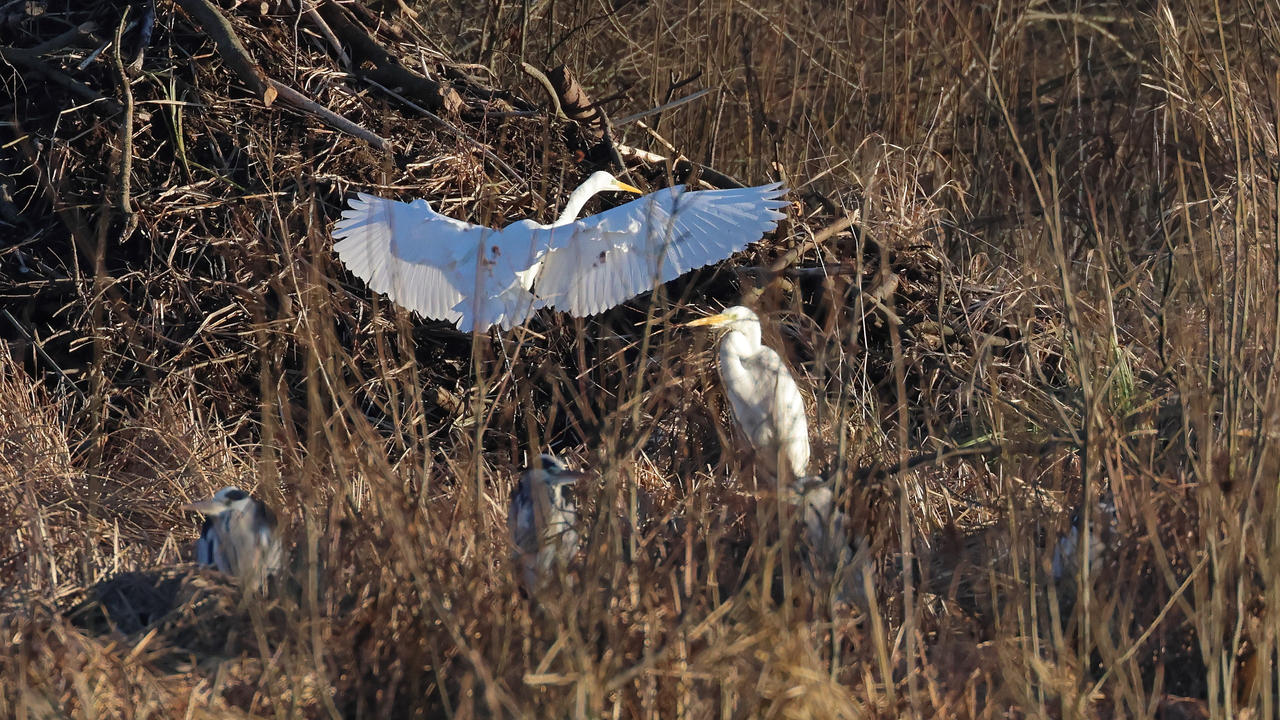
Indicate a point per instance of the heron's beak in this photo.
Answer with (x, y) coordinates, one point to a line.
(709, 320)
(569, 476)
(619, 185)
(208, 506)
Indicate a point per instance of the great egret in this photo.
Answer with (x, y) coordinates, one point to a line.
(476, 276)
(542, 520)
(766, 402)
(238, 537)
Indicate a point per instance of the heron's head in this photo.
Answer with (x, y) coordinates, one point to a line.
(737, 316)
(225, 500)
(553, 471)
(602, 181)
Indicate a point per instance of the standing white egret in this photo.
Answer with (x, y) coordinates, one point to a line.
(766, 402)
(542, 519)
(238, 537)
(475, 276)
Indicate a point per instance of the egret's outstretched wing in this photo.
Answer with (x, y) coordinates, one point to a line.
(409, 252)
(600, 261)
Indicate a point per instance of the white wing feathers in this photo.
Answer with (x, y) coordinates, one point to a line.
(602, 260)
(474, 276)
(387, 243)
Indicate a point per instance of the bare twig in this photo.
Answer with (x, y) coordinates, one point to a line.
(542, 79)
(126, 135)
(302, 102)
(309, 9)
(661, 108)
(39, 347)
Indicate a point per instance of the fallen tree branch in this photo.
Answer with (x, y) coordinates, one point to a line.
(681, 168)
(387, 70)
(58, 42)
(233, 53)
(574, 101)
(304, 103)
(820, 237)
(230, 49)
(32, 61)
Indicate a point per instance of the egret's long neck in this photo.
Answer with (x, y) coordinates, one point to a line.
(577, 200)
(744, 336)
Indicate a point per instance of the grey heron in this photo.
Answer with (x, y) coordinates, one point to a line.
(238, 537)
(542, 519)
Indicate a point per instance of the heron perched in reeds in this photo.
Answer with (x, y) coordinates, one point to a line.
(827, 540)
(766, 401)
(238, 537)
(542, 519)
(1103, 524)
(475, 276)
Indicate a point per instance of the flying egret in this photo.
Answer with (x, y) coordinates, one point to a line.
(766, 402)
(476, 276)
(238, 537)
(542, 520)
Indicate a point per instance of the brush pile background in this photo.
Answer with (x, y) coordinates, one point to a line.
(1064, 260)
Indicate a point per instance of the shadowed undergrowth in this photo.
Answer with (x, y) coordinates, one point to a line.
(1059, 286)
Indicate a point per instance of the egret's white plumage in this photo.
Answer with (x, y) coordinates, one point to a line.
(766, 402)
(238, 537)
(542, 520)
(476, 276)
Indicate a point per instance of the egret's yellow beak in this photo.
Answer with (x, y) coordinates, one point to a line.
(712, 320)
(619, 185)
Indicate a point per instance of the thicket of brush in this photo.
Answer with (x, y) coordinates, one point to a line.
(1062, 281)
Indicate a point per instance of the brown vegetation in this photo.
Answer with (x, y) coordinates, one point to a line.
(1061, 283)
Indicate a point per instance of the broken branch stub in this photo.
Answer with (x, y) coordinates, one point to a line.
(575, 103)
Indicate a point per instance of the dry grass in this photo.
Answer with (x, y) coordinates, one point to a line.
(1065, 257)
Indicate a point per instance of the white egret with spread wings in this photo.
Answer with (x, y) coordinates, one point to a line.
(475, 276)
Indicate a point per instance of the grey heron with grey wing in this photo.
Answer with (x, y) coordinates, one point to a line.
(542, 520)
(238, 537)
